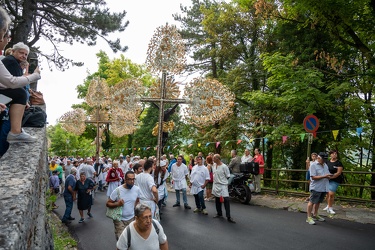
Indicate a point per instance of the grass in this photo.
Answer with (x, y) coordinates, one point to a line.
(61, 237)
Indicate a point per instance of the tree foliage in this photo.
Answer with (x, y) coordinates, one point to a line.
(60, 21)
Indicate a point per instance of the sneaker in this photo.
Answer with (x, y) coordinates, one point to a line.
(310, 221)
(90, 215)
(187, 206)
(318, 218)
(230, 219)
(204, 211)
(22, 137)
(196, 210)
(325, 209)
(330, 211)
(81, 220)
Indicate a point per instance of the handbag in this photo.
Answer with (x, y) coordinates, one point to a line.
(36, 97)
(116, 212)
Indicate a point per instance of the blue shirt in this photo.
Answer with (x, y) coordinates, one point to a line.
(69, 181)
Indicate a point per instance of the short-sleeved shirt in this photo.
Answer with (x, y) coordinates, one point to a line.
(61, 171)
(138, 242)
(69, 181)
(179, 176)
(333, 167)
(321, 185)
(145, 183)
(129, 196)
(198, 176)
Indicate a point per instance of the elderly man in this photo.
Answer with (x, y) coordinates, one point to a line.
(234, 165)
(69, 195)
(127, 196)
(246, 157)
(180, 174)
(220, 187)
(319, 186)
(144, 232)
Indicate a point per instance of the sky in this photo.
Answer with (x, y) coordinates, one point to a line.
(59, 87)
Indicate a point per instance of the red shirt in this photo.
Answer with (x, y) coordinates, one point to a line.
(260, 160)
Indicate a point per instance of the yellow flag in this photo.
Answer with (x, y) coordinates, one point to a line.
(335, 133)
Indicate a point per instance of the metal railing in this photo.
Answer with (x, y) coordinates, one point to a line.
(292, 182)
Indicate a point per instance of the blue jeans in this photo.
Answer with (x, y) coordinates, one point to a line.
(4, 145)
(69, 206)
(199, 200)
(184, 197)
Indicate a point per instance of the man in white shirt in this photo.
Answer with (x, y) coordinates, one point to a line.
(127, 196)
(145, 233)
(247, 157)
(199, 178)
(180, 172)
(148, 191)
(220, 188)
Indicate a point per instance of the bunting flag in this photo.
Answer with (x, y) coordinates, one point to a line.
(175, 146)
(285, 138)
(199, 144)
(239, 141)
(139, 149)
(217, 144)
(251, 140)
(302, 136)
(335, 133)
(148, 148)
(191, 144)
(207, 144)
(226, 143)
(359, 131)
(144, 149)
(135, 149)
(168, 147)
(265, 140)
(156, 148)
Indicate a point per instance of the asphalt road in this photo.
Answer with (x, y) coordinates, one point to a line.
(256, 228)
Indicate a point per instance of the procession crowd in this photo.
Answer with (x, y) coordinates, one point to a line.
(137, 187)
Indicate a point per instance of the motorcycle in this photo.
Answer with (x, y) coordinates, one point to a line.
(239, 189)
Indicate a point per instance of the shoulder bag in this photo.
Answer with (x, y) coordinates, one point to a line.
(116, 212)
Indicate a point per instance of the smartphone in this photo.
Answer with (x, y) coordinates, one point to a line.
(4, 99)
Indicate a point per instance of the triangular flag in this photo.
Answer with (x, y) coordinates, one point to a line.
(148, 148)
(265, 140)
(191, 144)
(335, 133)
(168, 147)
(239, 141)
(139, 149)
(359, 131)
(199, 144)
(285, 138)
(144, 149)
(135, 149)
(302, 136)
(251, 140)
(226, 143)
(217, 144)
(175, 146)
(207, 144)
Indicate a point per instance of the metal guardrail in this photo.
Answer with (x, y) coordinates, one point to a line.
(285, 178)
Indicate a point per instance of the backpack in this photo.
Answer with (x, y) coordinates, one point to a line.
(34, 117)
(129, 234)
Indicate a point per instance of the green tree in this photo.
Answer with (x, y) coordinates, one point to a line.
(60, 21)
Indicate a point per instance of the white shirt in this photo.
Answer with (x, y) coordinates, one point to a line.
(130, 197)
(246, 158)
(123, 167)
(220, 185)
(88, 169)
(198, 176)
(145, 182)
(178, 176)
(161, 191)
(138, 242)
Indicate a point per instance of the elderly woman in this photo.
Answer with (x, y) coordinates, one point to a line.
(114, 177)
(84, 186)
(12, 87)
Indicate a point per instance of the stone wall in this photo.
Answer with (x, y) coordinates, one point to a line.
(23, 186)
